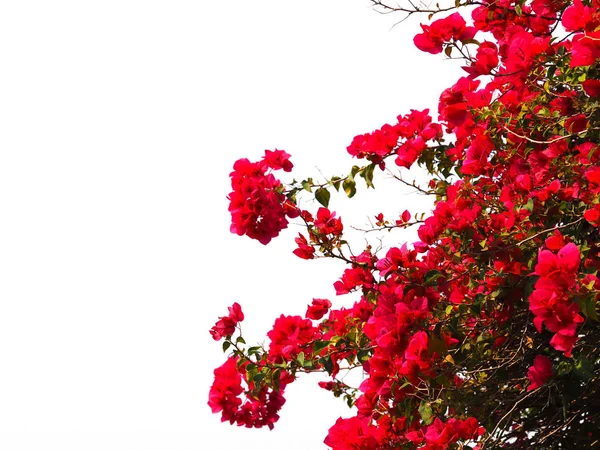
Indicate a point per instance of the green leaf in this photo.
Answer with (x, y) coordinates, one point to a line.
(363, 355)
(240, 340)
(276, 380)
(306, 185)
(584, 369)
(367, 174)
(588, 307)
(253, 350)
(426, 413)
(432, 275)
(322, 195)
(563, 368)
(327, 363)
(349, 186)
(470, 41)
(336, 182)
(258, 377)
(300, 358)
(319, 345)
(226, 345)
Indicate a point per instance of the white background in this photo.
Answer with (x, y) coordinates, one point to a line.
(119, 124)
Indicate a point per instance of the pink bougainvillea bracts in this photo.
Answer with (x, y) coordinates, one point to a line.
(258, 207)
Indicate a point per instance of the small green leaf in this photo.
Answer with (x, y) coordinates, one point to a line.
(367, 174)
(563, 368)
(258, 377)
(529, 205)
(336, 182)
(319, 345)
(240, 340)
(584, 369)
(470, 41)
(518, 10)
(322, 195)
(432, 275)
(300, 358)
(276, 380)
(226, 345)
(349, 186)
(588, 307)
(426, 413)
(327, 363)
(307, 186)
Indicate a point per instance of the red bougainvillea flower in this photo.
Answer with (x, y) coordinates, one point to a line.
(289, 336)
(540, 372)
(304, 250)
(579, 17)
(549, 302)
(278, 159)
(224, 393)
(351, 434)
(444, 30)
(327, 224)
(560, 268)
(318, 309)
(258, 206)
(586, 49)
(225, 326)
(485, 61)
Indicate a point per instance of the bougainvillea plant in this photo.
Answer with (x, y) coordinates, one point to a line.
(485, 333)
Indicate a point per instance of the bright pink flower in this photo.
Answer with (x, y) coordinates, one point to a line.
(326, 223)
(441, 31)
(278, 159)
(235, 312)
(289, 336)
(225, 326)
(576, 124)
(225, 391)
(577, 17)
(257, 205)
(486, 60)
(591, 87)
(540, 372)
(318, 308)
(560, 268)
(351, 434)
(586, 49)
(304, 250)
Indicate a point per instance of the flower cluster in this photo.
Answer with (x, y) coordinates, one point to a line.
(258, 206)
(225, 326)
(406, 139)
(550, 302)
(261, 405)
(324, 233)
